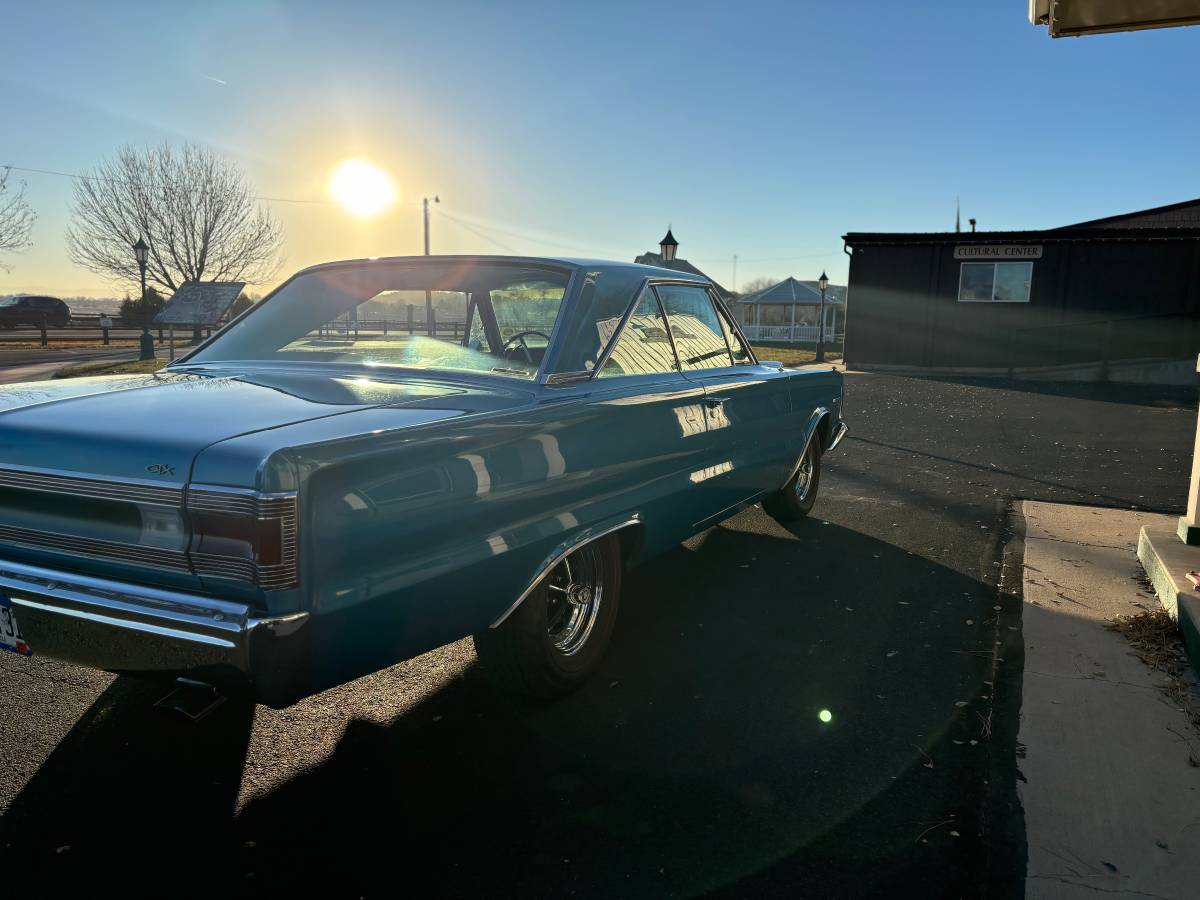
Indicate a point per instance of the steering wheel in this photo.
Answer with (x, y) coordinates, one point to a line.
(519, 338)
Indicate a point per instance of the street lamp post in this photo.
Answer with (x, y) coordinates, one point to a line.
(140, 250)
(429, 326)
(823, 281)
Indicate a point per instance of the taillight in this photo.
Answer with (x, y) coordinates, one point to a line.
(244, 535)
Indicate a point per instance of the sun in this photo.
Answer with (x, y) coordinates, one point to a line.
(362, 189)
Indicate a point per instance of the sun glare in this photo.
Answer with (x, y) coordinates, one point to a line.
(362, 189)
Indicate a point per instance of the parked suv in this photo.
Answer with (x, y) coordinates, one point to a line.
(32, 311)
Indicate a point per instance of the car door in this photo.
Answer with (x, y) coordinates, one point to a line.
(747, 406)
(653, 419)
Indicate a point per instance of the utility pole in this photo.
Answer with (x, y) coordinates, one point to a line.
(428, 295)
(733, 288)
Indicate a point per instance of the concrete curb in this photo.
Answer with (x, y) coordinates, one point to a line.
(1167, 560)
(1155, 372)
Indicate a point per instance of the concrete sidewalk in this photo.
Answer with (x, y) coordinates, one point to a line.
(1111, 798)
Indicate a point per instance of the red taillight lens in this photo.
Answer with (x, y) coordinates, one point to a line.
(244, 536)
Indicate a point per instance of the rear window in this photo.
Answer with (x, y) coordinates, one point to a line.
(486, 317)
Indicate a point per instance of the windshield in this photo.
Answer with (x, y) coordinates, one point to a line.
(449, 316)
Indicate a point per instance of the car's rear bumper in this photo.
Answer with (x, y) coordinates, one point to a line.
(141, 630)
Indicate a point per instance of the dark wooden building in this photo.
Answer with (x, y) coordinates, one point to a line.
(1121, 288)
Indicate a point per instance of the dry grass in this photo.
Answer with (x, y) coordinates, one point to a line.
(67, 345)
(1154, 636)
(104, 367)
(792, 356)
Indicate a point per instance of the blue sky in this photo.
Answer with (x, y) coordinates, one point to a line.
(765, 130)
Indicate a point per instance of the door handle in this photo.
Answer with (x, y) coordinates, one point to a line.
(714, 402)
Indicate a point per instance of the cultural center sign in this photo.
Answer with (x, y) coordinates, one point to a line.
(998, 251)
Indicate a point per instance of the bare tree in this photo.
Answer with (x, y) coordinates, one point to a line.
(16, 217)
(194, 208)
(754, 285)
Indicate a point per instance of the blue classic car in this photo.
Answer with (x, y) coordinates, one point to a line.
(318, 492)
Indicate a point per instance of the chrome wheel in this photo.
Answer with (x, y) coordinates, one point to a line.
(804, 475)
(573, 596)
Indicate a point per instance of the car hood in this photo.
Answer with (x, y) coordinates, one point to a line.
(152, 427)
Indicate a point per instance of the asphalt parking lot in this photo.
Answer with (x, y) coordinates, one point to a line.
(698, 762)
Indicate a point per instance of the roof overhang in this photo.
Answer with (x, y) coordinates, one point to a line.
(1073, 18)
(861, 238)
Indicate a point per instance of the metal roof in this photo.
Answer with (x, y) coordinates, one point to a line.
(791, 290)
(677, 266)
(1175, 221)
(855, 238)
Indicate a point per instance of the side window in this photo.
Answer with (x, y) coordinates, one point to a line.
(699, 338)
(644, 346)
(741, 355)
(476, 334)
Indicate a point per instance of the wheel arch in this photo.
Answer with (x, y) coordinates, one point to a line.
(629, 531)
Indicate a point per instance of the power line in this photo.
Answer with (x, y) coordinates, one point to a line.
(474, 231)
(744, 259)
(542, 241)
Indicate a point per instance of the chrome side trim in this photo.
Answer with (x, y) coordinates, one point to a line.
(564, 551)
(95, 548)
(52, 482)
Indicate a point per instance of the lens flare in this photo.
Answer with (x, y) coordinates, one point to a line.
(825, 716)
(361, 188)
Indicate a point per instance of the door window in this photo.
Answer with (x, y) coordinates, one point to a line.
(695, 326)
(741, 353)
(644, 347)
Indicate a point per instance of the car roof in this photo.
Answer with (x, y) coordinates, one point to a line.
(571, 263)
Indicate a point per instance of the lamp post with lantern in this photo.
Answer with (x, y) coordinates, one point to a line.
(823, 282)
(140, 251)
(668, 246)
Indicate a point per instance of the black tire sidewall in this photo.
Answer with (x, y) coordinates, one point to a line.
(545, 670)
(784, 505)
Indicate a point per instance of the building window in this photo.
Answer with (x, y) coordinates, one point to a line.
(1006, 282)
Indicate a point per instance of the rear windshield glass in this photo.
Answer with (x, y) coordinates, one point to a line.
(449, 315)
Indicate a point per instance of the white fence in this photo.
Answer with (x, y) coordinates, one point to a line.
(791, 334)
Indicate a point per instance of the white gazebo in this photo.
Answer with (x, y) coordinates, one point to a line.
(790, 311)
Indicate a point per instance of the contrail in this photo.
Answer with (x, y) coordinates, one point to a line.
(210, 78)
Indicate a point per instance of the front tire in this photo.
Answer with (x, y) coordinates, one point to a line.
(797, 498)
(554, 641)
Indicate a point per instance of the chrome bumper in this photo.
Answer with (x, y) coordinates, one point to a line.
(142, 630)
(838, 435)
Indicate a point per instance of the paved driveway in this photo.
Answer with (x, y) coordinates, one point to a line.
(34, 365)
(697, 762)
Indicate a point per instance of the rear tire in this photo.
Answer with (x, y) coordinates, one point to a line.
(796, 499)
(555, 640)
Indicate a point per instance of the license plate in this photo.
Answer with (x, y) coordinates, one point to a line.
(10, 632)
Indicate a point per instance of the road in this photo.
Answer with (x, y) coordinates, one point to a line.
(34, 365)
(697, 762)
